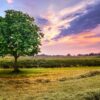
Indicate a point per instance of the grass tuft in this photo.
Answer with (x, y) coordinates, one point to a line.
(90, 74)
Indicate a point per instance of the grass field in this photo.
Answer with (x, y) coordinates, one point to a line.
(81, 83)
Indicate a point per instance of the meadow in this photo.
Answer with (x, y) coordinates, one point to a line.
(50, 83)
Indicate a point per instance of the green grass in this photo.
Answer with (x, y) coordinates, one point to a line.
(51, 84)
(25, 72)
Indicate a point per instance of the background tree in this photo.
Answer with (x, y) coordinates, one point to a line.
(19, 35)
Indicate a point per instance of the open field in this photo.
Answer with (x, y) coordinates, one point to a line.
(81, 83)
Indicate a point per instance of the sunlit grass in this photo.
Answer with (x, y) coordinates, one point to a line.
(51, 73)
(46, 84)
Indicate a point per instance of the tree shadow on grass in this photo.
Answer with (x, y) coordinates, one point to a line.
(9, 73)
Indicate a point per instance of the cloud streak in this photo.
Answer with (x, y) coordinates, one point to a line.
(84, 22)
(71, 20)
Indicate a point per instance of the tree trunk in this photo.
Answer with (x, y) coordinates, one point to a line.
(16, 69)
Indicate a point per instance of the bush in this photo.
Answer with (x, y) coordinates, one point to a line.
(29, 62)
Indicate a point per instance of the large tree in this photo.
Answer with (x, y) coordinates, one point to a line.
(19, 35)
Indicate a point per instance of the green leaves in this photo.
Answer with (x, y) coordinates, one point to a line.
(19, 35)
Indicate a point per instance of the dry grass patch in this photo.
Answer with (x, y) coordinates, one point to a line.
(44, 84)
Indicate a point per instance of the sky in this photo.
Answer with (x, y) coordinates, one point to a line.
(69, 26)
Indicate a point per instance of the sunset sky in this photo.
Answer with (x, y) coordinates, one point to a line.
(69, 26)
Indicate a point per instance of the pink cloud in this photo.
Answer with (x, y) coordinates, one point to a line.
(85, 42)
(10, 1)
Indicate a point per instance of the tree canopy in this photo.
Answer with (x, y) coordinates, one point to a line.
(19, 35)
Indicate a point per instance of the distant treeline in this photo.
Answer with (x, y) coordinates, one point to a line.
(68, 55)
(47, 62)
